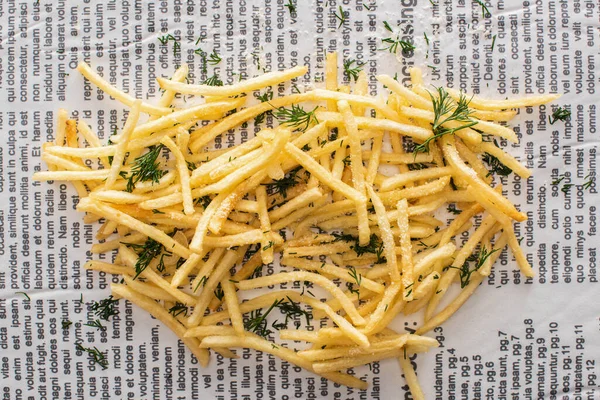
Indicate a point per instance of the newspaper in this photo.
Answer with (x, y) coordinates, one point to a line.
(515, 338)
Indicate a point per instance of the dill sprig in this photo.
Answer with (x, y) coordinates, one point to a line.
(264, 98)
(149, 250)
(558, 180)
(352, 71)
(96, 355)
(485, 11)
(219, 293)
(426, 38)
(296, 117)
(290, 6)
(214, 58)
(375, 245)
(105, 308)
(66, 323)
(96, 324)
(496, 165)
(146, 168)
(178, 309)
(465, 271)
(268, 246)
(24, 294)
(589, 182)
(213, 81)
(494, 42)
(291, 310)
(347, 162)
(452, 209)
(341, 17)
(203, 201)
(566, 188)
(355, 275)
(447, 110)
(417, 166)
(560, 114)
(166, 38)
(257, 321)
(282, 185)
(393, 44)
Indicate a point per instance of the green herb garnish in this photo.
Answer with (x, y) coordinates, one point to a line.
(290, 6)
(178, 309)
(214, 58)
(560, 114)
(105, 308)
(466, 272)
(146, 168)
(281, 186)
(219, 293)
(447, 110)
(350, 71)
(341, 17)
(166, 38)
(149, 250)
(257, 321)
(485, 12)
(24, 294)
(96, 355)
(589, 182)
(213, 81)
(296, 117)
(96, 324)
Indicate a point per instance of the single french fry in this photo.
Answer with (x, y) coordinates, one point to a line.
(411, 378)
(233, 306)
(259, 82)
(121, 149)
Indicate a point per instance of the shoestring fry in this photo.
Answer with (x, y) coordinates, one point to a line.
(192, 228)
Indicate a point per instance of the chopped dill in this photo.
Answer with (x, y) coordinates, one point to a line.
(214, 58)
(178, 309)
(296, 117)
(96, 324)
(485, 11)
(281, 186)
(219, 293)
(560, 114)
(149, 250)
(591, 180)
(496, 166)
(213, 81)
(105, 308)
(352, 71)
(290, 6)
(465, 271)
(96, 355)
(341, 17)
(447, 110)
(146, 168)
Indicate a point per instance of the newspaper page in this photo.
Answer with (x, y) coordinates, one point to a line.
(516, 338)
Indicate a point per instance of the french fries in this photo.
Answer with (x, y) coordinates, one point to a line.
(308, 200)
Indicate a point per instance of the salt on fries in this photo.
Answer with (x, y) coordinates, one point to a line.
(187, 218)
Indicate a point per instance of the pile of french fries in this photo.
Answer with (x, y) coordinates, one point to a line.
(359, 217)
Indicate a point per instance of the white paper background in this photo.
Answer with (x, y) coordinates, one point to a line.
(514, 339)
